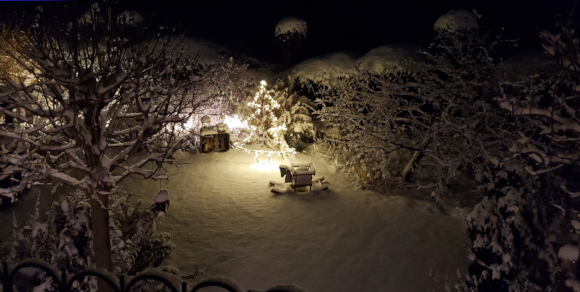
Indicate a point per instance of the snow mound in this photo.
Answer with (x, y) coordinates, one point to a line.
(457, 20)
(569, 252)
(383, 59)
(291, 25)
(209, 52)
(574, 284)
(161, 196)
(331, 65)
(386, 58)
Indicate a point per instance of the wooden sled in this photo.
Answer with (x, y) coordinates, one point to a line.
(283, 188)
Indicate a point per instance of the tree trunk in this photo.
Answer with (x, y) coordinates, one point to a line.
(287, 55)
(101, 237)
(409, 168)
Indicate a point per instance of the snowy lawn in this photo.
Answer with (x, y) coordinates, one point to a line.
(223, 217)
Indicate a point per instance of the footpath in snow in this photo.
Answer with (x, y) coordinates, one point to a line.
(223, 218)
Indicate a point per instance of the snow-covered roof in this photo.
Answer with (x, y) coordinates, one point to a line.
(289, 25)
(457, 20)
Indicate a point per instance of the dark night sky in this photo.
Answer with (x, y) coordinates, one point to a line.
(356, 26)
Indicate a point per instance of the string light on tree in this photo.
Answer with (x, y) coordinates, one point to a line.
(263, 112)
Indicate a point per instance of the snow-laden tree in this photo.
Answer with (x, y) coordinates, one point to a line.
(514, 232)
(97, 92)
(529, 218)
(545, 110)
(297, 115)
(362, 115)
(457, 20)
(225, 86)
(437, 110)
(290, 33)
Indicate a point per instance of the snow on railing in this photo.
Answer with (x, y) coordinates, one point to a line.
(13, 275)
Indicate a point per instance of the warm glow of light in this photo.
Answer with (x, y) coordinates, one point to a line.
(188, 125)
(234, 122)
(265, 166)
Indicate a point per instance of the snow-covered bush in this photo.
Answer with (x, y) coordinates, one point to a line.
(457, 20)
(514, 230)
(65, 239)
(563, 45)
(297, 115)
(365, 168)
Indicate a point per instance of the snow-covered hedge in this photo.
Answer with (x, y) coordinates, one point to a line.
(385, 59)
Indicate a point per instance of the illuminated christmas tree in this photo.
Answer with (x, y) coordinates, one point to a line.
(263, 114)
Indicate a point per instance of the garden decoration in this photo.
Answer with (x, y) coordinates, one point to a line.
(265, 126)
(215, 138)
(205, 120)
(161, 202)
(298, 175)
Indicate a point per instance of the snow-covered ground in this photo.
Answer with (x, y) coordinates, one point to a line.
(223, 217)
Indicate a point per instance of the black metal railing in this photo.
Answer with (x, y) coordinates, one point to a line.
(65, 281)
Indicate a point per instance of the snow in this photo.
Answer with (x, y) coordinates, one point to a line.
(161, 196)
(223, 217)
(292, 24)
(209, 52)
(209, 281)
(215, 129)
(457, 20)
(339, 64)
(569, 252)
(574, 284)
(382, 59)
(173, 280)
(387, 58)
